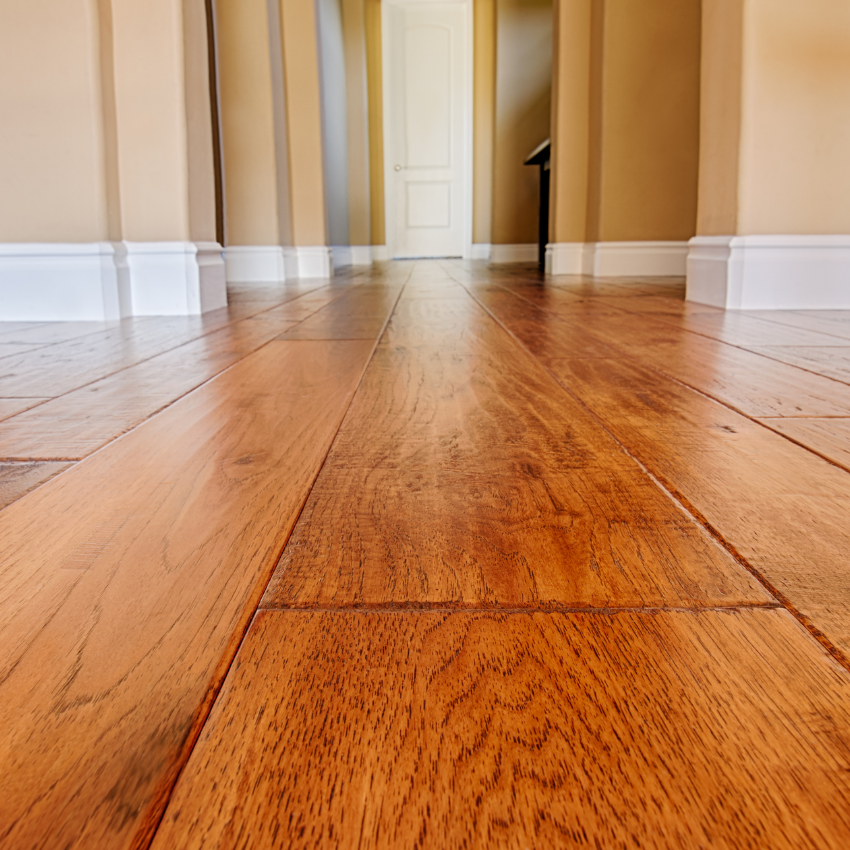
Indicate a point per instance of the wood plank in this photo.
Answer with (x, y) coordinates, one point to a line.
(828, 437)
(830, 361)
(18, 479)
(433, 730)
(80, 422)
(65, 366)
(737, 328)
(12, 406)
(169, 537)
(833, 322)
(462, 479)
(750, 382)
(781, 507)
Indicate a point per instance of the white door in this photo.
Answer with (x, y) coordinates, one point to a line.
(428, 127)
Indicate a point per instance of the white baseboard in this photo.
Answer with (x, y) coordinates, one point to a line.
(770, 272)
(481, 251)
(618, 259)
(524, 253)
(351, 255)
(569, 258)
(306, 261)
(176, 278)
(255, 263)
(104, 281)
(380, 253)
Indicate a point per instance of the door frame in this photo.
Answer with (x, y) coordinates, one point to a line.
(390, 217)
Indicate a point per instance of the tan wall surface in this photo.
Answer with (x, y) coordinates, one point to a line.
(650, 120)
(247, 121)
(523, 112)
(199, 139)
(374, 80)
(483, 118)
(357, 104)
(51, 149)
(795, 139)
(303, 104)
(152, 133)
(720, 130)
(570, 120)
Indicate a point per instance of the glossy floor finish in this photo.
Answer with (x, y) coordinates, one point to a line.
(434, 555)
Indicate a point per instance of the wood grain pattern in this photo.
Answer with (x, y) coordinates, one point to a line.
(754, 384)
(783, 508)
(17, 479)
(831, 361)
(127, 584)
(13, 406)
(827, 437)
(80, 422)
(516, 731)
(475, 480)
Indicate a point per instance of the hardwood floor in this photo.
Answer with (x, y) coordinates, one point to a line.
(435, 555)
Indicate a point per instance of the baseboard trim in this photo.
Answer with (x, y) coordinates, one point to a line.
(255, 264)
(380, 253)
(618, 259)
(481, 251)
(521, 253)
(176, 278)
(104, 281)
(351, 255)
(773, 272)
(308, 261)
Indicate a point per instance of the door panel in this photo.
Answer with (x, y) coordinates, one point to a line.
(427, 128)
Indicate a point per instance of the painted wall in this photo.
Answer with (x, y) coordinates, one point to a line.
(52, 169)
(483, 119)
(649, 63)
(334, 118)
(523, 111)
(303, 104)
(248, 121)
(795, 126)
(626, 120)
(571, 76)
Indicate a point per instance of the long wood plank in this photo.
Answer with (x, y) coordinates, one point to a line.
(57, 369)
(754, 384)
(782, 507)
(831, 361)
(463, 475)
(127, 584)
(451, 731)
(827, 437)
(17, 479)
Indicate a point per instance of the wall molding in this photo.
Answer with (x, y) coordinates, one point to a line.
(522, 253)
(618, 259)
(351, 255)
(380, 254)
(255, 263)
(308, 261)
(481, 251)
(772, 272)
(176, 278)
(103, 281)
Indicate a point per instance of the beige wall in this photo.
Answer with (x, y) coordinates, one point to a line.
(357, 107)
(625, 120)
(247, 122)
(375, 93)
(52, 169)
(570, 120)
(303, 104)
(523, 109)
(483, 118)
(795, 131)
(720, 130)
(649, 120)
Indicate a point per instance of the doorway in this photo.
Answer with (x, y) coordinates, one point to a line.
(428, 127)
